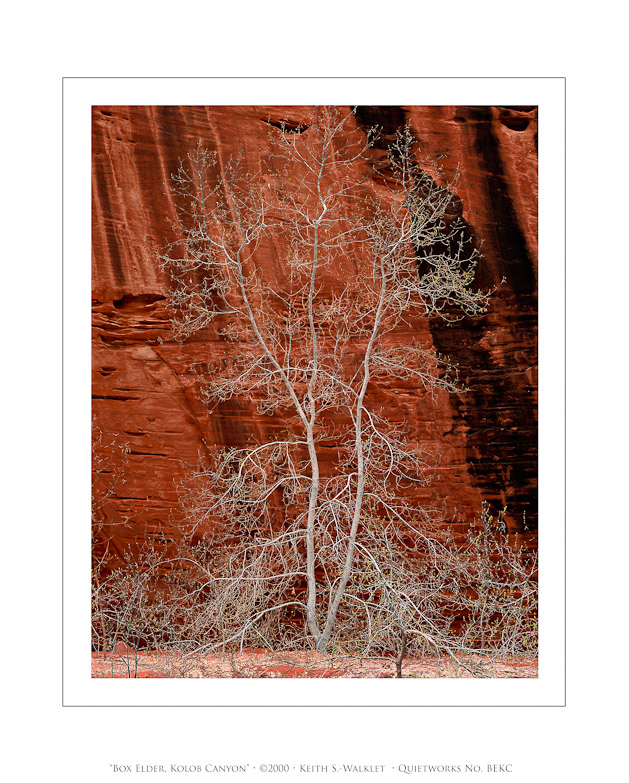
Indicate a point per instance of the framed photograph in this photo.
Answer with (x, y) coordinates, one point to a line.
(314, 392)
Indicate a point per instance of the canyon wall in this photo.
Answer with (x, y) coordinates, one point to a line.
(149, 423)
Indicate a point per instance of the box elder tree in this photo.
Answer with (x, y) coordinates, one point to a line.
(351, 559)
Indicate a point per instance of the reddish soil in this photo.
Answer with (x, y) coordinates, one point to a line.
(263, 664)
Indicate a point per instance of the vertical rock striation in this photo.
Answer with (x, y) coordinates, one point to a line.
(146, 407)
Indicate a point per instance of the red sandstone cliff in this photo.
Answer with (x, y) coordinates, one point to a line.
(145, 398)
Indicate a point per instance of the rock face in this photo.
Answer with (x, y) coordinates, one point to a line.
(149, 421)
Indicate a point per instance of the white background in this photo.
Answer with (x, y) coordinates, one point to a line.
(43, 43)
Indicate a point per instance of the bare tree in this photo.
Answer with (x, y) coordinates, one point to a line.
(286, 548)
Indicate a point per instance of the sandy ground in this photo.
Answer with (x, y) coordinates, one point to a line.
(261, 663)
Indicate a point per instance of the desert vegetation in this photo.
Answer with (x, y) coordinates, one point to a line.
(326, 560)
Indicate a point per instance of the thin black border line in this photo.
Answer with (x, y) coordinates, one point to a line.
(565, 391)
(565, 494)
(320, 78)
(63, 428)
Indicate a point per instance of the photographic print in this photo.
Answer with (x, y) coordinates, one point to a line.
(314, 392)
